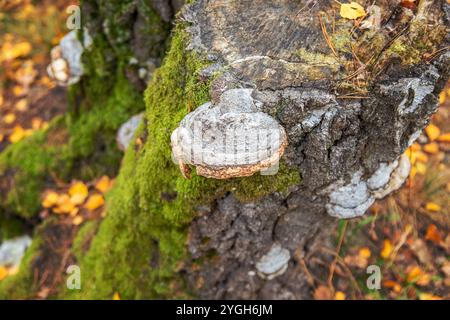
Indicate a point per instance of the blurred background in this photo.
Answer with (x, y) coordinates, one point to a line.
(406, 234)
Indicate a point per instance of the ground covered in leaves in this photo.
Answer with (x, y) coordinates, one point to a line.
(406, 235)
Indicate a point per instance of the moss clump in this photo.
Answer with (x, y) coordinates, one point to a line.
(143, 238)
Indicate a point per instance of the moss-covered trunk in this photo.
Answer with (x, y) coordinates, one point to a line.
(348, 120)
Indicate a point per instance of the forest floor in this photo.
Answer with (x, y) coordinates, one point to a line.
(406, 234)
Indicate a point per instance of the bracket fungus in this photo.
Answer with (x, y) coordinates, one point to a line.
(274, 263)
(230, 138)
(127, 130)
(66, 67)
(350, 200)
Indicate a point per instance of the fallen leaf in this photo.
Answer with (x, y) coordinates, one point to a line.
(395, 286)
(95, 201)
(433, 132)
(444, 137)
(9, 118)
(418, 276)
(3, 273)
(428, 296)
(103, 184)
(339, 295)
(18, 134)
(364, 252)
(322, 293)
(1, 137)
(77, 220)
(356, 261)
(50, 199)
(387, 249)
(431, 206)
(65, 206)
(432, 148)
(21, 105)
(433, 234)
(78, 193)
(352, 11)
(116, 296)
(421, 168)
(11, 51)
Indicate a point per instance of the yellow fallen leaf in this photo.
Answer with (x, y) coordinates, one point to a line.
(9, 118)
(65, 206)
(413, 172)
(116, 296)
(18, 91)
(415, 147)
(395, 286)
(364, 253)
(95, 201)
(352, 11)
(50, 199)
(431, 148)
(421, 168)
(3, 273)
(103, 184)
(339, 295)
(387, 249)
(18, 134)
(442, 97)
(21, 105)
(77, 220)
(444, 137)
(414, 274)
(431, 206)
(10, 51)
(433, 234)
(428, 296)
(1, 99)
(422, 157)
(432, 132)
(78, 193)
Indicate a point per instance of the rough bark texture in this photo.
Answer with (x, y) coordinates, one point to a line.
(350, 108)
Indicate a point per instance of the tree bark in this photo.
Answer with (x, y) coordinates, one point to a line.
(350, 100)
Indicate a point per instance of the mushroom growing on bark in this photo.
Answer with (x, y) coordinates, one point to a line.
(229, 139)
(127, 130)
(66, 67)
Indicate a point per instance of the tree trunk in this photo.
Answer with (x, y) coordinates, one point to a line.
(351, 101)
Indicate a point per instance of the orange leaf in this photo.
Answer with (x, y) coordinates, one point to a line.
(77, 220)
(339, 295)
(431, 206)
(433, 234)
(322, 293)
(116, 296)
(431, 148)
(444, 137)
(392, 285)
(95, 201)
(65, 206)
(433, 132)
(3, 273)
(364, 252)
(428, 296)
(103, 184)
(387, 249)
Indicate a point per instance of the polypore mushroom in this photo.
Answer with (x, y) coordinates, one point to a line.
(127, 130)
(12, 251)
(66, 67)
(274, 263)
(231, 138)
